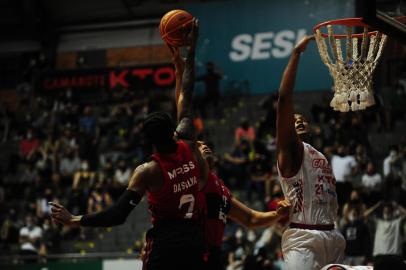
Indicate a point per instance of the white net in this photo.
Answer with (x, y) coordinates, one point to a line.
(352, 72)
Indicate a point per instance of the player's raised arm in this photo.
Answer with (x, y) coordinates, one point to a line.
(185, 129)
(115, 214)
(289, 149)
(179, 64)
(252, 219)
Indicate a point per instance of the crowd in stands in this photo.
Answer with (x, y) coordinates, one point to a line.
(82, 152)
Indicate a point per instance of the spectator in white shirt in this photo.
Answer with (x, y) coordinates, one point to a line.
(390, 161)
(122, 174)
(392, 171)
(388, 233)
(372, 182)
(30, 235)
(70, 163)
(344, 166)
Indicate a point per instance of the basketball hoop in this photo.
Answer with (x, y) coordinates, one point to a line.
(352, 73)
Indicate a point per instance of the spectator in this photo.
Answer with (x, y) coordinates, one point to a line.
(260, 173)
(68, 139)
(29, 144)
(372, 181)
(356, 233)
(237, 256)
(99, 199)
(83, 179)
(343, 166)
(122, 173)
(392, 171)
(88, 123)
(236, 165)
(390, 163)
(212, 86)
(388, 234)
(244, 131)
(70, 163)
(355, 202)
(43, 208)
(51, 236)
(30, 236)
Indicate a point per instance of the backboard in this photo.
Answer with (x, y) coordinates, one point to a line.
(387, 16)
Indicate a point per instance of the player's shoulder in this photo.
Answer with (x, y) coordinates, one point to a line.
(149, 168)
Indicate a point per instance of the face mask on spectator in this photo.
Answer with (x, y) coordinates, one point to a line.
(84, 166)
(238, 234)
(251, 236)
(352, 217)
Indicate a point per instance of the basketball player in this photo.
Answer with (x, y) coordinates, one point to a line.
(307, 182)
(171, 181)
(217, 204)
(215, 199)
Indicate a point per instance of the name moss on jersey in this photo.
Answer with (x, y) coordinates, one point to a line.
(185, 168)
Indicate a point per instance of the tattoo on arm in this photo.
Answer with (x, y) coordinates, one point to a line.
(185, 129)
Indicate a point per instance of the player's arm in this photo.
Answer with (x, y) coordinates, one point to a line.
(289, 148)
(113, 215)
(185, 129)
(179, 64)
(251, 219)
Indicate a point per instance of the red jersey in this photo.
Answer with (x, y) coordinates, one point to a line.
(215, 203)
(177, 197)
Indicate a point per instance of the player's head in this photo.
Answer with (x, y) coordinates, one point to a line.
(206, 152)
(158, 129)
(301, 125)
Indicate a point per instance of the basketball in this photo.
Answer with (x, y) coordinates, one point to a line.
(174, 25)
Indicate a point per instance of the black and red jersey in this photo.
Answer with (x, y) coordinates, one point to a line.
(177, 199)
(215, 203)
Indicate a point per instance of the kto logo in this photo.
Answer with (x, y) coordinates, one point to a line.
(265, 45)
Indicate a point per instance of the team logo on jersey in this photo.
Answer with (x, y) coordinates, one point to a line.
(298, 202)
(185, 168)
(320, 163)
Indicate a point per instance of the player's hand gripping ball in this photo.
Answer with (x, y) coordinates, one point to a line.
(175, 27)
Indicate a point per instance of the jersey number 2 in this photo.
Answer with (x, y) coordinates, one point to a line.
(187, 198)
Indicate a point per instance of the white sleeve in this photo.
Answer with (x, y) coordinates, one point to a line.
(353, 162)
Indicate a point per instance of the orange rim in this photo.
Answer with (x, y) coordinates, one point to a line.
(345, 22)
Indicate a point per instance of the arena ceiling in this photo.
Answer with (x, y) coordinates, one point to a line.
(38, 19)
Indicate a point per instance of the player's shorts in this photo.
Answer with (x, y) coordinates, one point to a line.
(174, 245)
(214, 259)
(312, 249)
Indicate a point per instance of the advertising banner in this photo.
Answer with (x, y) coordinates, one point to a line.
(133, 78)
(252, 39)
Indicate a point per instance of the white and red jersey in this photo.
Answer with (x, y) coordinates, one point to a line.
(312, 191)
(178, 196)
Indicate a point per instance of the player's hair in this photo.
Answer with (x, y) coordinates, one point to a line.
(158, 129)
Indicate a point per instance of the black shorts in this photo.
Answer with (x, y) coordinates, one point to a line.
(174, 246)
(215, 259)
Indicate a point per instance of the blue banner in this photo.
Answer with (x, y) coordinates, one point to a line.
(252, 39)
